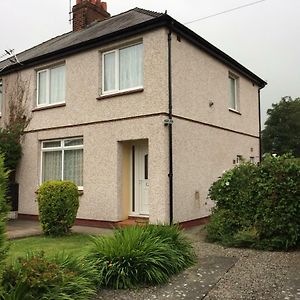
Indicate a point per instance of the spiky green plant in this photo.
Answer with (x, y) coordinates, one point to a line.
(141, 255)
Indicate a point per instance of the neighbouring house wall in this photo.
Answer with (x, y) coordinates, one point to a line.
(202, 150)
(102, 198)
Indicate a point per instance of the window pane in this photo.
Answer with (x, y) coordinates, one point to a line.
(42, 87)
(57, 84)
(109, 72)
(232, 97)
(131, 67)
(1, 95)
(73, 166)
(75, 142)
(51, 144)
(51, 165)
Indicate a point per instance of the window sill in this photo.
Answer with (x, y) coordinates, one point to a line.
(49, 106)
(122, 93)
(234, 111)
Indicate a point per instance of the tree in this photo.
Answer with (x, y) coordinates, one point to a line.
(17, 119)
(282, 131)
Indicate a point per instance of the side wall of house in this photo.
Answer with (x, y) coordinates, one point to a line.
(207, 135)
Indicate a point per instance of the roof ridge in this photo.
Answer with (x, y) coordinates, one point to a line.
(150, 13)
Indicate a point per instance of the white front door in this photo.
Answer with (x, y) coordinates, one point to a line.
(140, 177)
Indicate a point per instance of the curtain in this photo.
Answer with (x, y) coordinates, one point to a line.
(52, 165)
(131, 67)
(42, 87)
(57, 85)
(109, 72)
(73, 166)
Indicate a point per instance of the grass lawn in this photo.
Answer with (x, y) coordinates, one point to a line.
(76, 244)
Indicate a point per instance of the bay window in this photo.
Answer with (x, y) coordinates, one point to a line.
(122, 69)
(51, 85)
(63, 160)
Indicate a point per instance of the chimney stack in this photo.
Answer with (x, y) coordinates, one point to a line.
(87, 11)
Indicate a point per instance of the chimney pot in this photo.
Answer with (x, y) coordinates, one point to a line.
(104, 5)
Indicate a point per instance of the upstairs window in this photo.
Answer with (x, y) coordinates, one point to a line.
(233, 92)
(51, 85)
(63, 160)
(122, 69)
(1, 96)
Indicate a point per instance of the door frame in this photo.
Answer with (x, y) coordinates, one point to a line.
(135, 205)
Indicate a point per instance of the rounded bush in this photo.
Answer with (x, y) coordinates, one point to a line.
(258, 205)
(58, 205)
(61, 277)
(141, 255)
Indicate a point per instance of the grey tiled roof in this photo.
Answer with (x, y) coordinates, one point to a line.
(100, 29)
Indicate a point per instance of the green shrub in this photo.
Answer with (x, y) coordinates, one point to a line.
(58, 204)
(223, 224)
(61, 277)
(3, 214)
(10, 147)
(258, 206)
(141, 255)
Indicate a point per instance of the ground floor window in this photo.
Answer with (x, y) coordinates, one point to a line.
(62, 160)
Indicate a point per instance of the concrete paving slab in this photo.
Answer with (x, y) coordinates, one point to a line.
(194, 283)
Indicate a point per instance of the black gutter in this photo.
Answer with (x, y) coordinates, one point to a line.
(170, 124)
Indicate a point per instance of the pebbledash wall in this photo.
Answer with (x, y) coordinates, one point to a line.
(207, 135)
(206, 138)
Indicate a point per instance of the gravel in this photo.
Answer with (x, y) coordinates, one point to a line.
(226, 273)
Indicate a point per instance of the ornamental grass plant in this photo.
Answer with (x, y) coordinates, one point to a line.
(141, 255)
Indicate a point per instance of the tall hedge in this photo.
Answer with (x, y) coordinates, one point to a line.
(3, 214)
(258, 206)
(58, 205)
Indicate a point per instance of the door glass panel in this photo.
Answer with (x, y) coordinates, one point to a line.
(146, 166)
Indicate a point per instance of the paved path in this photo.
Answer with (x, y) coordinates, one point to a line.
(24, 228)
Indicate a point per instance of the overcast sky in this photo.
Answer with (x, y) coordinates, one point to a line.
(264, 37)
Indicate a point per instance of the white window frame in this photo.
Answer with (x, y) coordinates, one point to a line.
(117, 73)
(236, 92)
(61, 148)
(1, 97)
(47, 70)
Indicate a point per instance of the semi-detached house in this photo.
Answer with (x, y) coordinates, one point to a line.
(138, 110)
